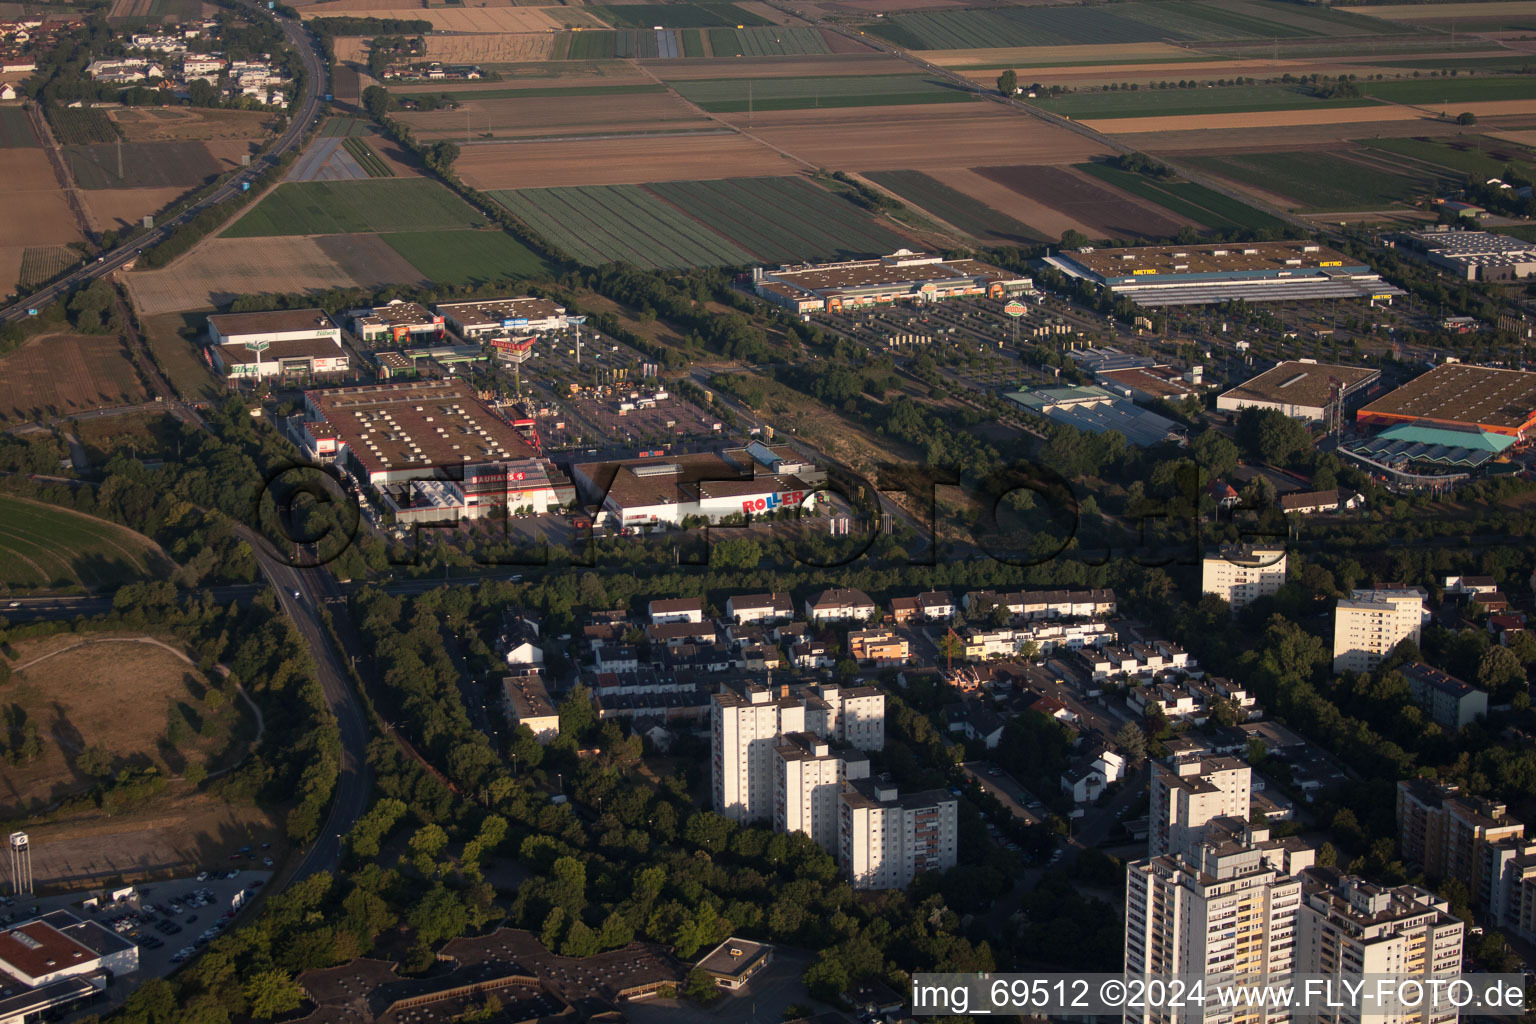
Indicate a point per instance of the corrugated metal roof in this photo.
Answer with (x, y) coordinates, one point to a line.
(1475, 440)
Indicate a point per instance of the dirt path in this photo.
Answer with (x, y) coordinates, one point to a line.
(88, 225)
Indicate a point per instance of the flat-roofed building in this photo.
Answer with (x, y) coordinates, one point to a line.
(293, 359)
(904, 276)
(758, 480)
(1187, 796)
(809, 773)
(493, 317)
(1372, 621)
(1451, 702)
(527, 702)
(1301, 389)
(399, 322)
(1451, 834)
(733, 963)
(1475, 255)
(37, 953)
(1460, 395)
(272, 326)
(1242, 574)
(1185, 275)
(881, 647)
(886, 839)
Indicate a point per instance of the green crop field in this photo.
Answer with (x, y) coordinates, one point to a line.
(766, 42)
(1318, 181)
(546, 92)
(693, 42)
(688, 15)
(730, 95)
(732, 222)
(348, 207)
(1198, 203)
(366, 158)
(1473, 155)
(1431, 91)
(15, 130)
(467, 257)
(342, 127)
(620, 223)
(40, 264)
(1523, 63)
(1183, 20)
(79, 126)
(46, 547)
(1230, 99)
(954, 207)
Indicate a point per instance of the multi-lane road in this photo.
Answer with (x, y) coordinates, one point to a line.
(298, 128)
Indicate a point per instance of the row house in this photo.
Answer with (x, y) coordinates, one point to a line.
(673, 633)
(745, 608)
(1043, 604)
(677, 609)
(840, 605)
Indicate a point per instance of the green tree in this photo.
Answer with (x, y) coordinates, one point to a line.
(1465, 118)
(1007, 82)
(1132, 742)
(271, 993)
(1499, 671)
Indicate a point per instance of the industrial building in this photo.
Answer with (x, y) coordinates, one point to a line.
(431, 449)
(1191, 275)
(59, 962)
(1475, 255)
(1417, 454)
(272, 326)
(904, 276)
(399, 322)
(1461, 395)
(290, 344)
(1302, 389)
(490, 317)
(756, 480)
(1098, 411)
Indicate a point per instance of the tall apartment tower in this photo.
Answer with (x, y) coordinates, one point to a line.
(1452, 835)
(1226, 909)
(886, 839)
(1185, 797)
(1370, 622)
(808, 777)
(749, 721)
(1242, 574)
(1348, 927)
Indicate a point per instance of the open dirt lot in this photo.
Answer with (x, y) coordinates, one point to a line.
(72, 689)
(769, 13)
(918, 138)
(476, 18)
(10, 267)
(121, 207)
(627, 162)
(476, 48)
(185, 124)
(1269, 119)
(222, 268)
(36, 212)
(67, 373)
(1110, 213)
(556, 115)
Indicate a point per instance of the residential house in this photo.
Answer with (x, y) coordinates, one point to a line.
(768, 608)
(812, 654)
(1307, 503)
(839, 605)
(677, 609)
(936, 606)
(880, 647)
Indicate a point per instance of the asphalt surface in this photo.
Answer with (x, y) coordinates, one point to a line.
(298, 127)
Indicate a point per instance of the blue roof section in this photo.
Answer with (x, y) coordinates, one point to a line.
(1473, 440)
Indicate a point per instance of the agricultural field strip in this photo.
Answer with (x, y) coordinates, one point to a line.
(321, 208)
(1240, 99)
(692, 15)
(725, 95)
(1317, 181)
(16, 129)
(1425, 91)
(465, 255)
(42, 540)
(543, 92)
(745, 204)
(535, 216)
(725, 42)
(366, 158)
(693, 244)
(1198, 203)
(608, 243)
(950, 205)
(1474, 161)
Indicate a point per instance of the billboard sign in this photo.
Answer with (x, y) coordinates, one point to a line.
(515, 321)
(1014, 308)
(773, 502)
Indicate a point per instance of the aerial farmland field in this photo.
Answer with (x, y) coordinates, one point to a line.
(44, 546)
(1179, 102)
(1187, 199)
(686, 15)
(343, 207)
(766, 42)
(1470, 154)
(58, 374)
(731, 95)
(1107, 214)
(15, 129)
(955, 207)
(466, 257)
(1441, 90)
(143, 165)
(1319, 181)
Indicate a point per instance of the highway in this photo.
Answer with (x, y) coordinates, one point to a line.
(298, 127)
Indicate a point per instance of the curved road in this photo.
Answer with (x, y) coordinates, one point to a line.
(298, 125)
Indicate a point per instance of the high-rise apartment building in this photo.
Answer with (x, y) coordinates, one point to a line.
(1452, 835)
(1185, 797)
(1225, 909)
(1371, 622)
(747, 722)
(1349, 927)
(808, 776)
(1241, 574)
(886, 839)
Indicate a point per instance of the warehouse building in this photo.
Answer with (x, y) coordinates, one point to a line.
(293, 360)
(1098, 411)
(1301, 389)
(433, 452)
(1193, 275)
(1475, 255)
(756, 480)
(1421, 455)
(1485, 398)
(490, 317)
(271, 327)
(904, 276)
(399, 322)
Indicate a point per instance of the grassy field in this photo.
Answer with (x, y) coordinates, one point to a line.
(1184, 20)
(731, 222)
(348, 207)
(607, 223)
(1316, 181)
(687, 15)
(467, 257)
(1176, 102)
(143, 165)
(1467, 154)
(342, 127)
(366, 158)
(1431, 91)
(44, 547)
(549, 92)
(79, 126)
(954, 207)
(1187, 199)
(15, 130)
(169, 336)
(730, 95)
(765, 42)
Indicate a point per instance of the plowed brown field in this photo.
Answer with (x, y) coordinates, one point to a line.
(610, 162)
(1110, 214)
